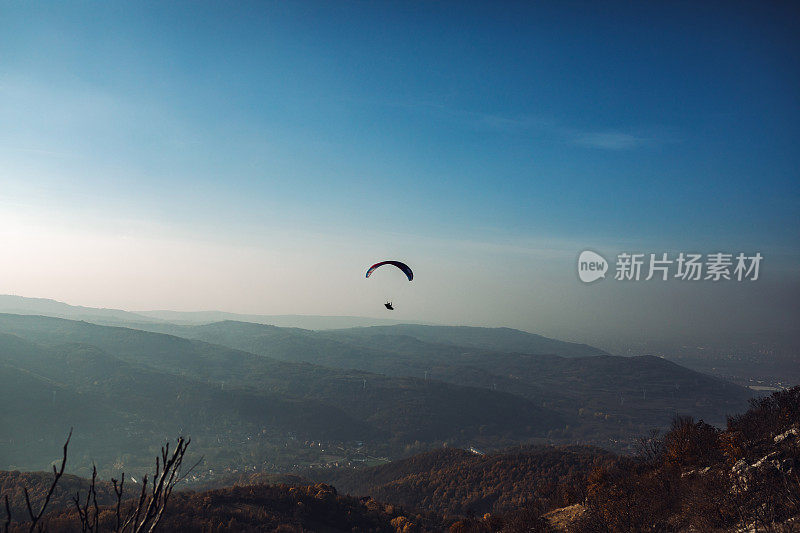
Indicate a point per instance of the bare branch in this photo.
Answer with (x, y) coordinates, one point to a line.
(8, 515)
(56, 476)
(191, 469)
(118, 493)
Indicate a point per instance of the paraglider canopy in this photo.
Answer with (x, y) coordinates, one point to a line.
(402, 266)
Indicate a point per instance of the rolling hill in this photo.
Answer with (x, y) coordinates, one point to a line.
(693, 478)
(495, 339)
(613, 397)
(316, 322)
(165, 383)
(20, 305)
(457, 482)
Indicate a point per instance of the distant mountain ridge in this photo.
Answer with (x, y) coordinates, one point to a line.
(494, 339)
(396, 385)
(629, 394)
(315, 322)
(133, 378)
(21, 305)
(497, 339)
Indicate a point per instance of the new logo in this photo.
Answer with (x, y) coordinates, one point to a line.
(591, 266)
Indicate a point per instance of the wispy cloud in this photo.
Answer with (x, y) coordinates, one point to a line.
(475, 119)
(603, 139)
(608, 140)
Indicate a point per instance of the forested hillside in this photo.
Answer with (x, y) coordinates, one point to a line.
(604, 399)
(460, 483)
(692, 478)
(144, 386)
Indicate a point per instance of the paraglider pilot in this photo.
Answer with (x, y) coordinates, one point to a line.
(402, 266)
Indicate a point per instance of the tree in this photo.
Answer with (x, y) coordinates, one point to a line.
(137, 515)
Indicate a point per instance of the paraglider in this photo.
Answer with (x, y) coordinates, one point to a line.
(402, 266)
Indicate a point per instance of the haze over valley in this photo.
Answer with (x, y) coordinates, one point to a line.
(297, 398)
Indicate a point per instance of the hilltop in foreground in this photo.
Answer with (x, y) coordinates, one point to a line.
(694, 478)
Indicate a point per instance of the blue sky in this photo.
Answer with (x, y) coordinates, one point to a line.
(310, 130)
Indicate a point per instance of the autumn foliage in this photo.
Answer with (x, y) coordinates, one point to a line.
(699, 478)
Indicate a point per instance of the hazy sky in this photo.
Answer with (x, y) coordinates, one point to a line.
(257, 157)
